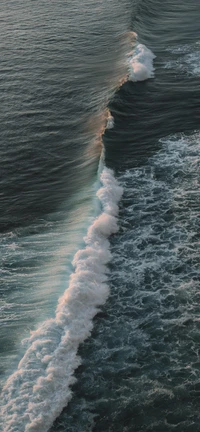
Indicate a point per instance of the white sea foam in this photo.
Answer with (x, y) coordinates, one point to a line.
(110, 122)
(35, 394)
(140, 63)
(187, 59)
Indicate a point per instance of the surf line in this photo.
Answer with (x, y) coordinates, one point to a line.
(35, 394)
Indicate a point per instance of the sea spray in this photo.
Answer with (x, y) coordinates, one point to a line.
(140, 63)
(40, 388)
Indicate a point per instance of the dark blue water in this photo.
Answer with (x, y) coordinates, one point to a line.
(137, 367)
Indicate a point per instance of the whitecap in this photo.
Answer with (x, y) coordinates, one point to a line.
(140, 63)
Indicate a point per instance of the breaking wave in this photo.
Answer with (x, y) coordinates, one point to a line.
(35, 394)
(141, 63)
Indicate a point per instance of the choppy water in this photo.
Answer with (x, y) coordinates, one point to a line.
(137, 367)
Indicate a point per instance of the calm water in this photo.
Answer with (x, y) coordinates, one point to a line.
(132, 307)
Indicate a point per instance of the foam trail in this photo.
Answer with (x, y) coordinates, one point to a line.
(40, 388)
(140, 63)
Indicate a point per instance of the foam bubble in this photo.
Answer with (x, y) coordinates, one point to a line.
(35, 394)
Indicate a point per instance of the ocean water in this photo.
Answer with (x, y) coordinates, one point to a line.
(99, 220)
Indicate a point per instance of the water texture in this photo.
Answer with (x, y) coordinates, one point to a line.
(99, 191)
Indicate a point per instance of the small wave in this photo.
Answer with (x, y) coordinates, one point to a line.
(37, 392)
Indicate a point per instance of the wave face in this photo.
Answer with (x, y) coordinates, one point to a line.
(57, 82)
(37, 392)
(55, 79)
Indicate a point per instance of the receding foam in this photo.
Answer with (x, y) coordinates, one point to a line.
(35, 394)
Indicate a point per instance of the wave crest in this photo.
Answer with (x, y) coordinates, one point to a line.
(141, 63)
